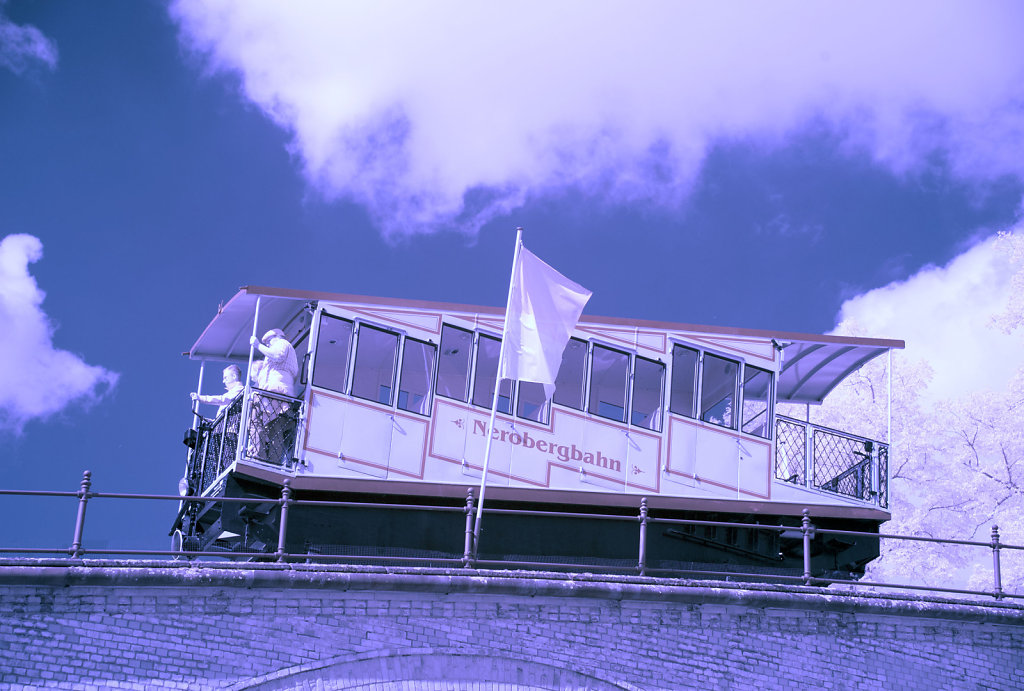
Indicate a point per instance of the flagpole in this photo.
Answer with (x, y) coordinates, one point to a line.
(494, 401)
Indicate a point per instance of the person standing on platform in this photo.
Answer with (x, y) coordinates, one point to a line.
(275, 373)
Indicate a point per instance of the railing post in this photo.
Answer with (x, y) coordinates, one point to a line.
(808, 454)
(83, 499)
(286, 495)
(808, 531)
(642, 560)
(876, 495)
(995, 563)
(468, 551)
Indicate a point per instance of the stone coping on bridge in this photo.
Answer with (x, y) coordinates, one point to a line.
(854, 599)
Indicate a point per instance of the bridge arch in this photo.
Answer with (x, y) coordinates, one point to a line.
(427, 668)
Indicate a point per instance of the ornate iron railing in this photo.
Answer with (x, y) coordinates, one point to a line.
(270, 429)
(212, 447)
(269, 437)
(826, 459)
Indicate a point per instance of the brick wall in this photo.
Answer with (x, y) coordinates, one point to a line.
(126, 625)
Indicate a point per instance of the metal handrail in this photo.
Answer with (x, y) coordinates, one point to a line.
(831, 430)
(806, 529)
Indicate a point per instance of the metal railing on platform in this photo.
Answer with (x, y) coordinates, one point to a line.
(810, 455)
(805, 532)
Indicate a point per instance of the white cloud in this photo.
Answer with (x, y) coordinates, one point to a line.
(38, 380)
(407, 107)
(22, 47)
(945, 315)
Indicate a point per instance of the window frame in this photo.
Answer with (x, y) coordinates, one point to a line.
(695, 399)
(400, 333)
(347, 380)
(628, 398)
(431, 376)
(479, 335)
(584, 384)
(632, 392)
(769, 400)
(471, 367)
(736, 388)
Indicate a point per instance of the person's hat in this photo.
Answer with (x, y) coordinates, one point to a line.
(273, 332)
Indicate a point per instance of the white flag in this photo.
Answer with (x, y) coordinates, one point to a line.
(543, 309)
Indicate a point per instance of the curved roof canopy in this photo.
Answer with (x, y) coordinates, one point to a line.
(811, 369)
(812, 366)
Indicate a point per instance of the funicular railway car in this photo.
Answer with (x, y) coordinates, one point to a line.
(392, 407)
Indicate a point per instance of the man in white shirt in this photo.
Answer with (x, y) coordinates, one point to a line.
(280, 366)
(225, 432)
(232, 387)
(275, 373)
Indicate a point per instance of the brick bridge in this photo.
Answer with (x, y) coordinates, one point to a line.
(113, 624)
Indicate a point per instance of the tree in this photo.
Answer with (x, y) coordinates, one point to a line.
(957, 465)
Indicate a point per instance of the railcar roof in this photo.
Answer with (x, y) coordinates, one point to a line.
(813, 365)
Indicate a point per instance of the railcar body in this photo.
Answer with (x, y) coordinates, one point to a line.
(393, 408)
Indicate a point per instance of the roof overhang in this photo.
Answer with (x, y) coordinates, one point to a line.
(811, 369)
(226, 337)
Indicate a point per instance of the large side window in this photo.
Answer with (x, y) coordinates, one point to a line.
(609, 375)
(718, 391)
(488, 350)
(417, 373)
(648, 393)
(374, 375)
(571, 375)
(684, 381)
(453, 365)
(757, 397)
(330, 371)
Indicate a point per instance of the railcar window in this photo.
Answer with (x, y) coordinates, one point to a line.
(453, 366)
(571, 375)
(684, 381)
(718, 391)
(608, 377)
(374, 375)
(757, 396)
(333, 342)
(417, 373)
(488, 350)
(648, 393)
(533, 403)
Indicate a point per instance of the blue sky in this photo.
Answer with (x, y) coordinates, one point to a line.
(734, 166)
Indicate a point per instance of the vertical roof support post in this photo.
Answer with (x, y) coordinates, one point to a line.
(243, 436)
(888, 386)
(888, 433)
(307, 396)
(199, 389)
(192, 452)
